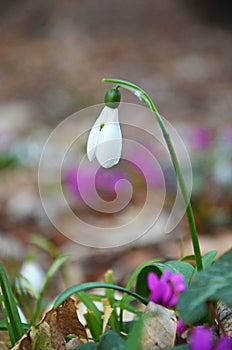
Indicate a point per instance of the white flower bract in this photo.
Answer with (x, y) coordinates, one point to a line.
(105, 139)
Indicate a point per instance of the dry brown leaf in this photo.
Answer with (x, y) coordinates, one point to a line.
(73, 343)
(159, 327)
(65, 318)
(24, 343)
(3, 346)
(106, 316)
(51, 332)
(224, 316)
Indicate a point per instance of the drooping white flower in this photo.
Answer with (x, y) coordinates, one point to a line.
(105, 138)
(32, 276)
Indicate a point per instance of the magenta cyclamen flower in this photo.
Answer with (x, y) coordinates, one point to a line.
(228, 134)
(202, 339)
(181, 326)
(200, 138)
(86, 179)
(165, 290)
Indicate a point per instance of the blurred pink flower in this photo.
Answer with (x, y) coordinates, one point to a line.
(202, 339)
(106, 180)
(200, 138)
(181, 327)
(165, 290)
(71, 180)
(228, 134)
(144, 161)
(91, 179)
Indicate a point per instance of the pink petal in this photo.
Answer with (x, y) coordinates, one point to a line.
(201, 339)
(173, 300)
(166, 276)
(153, 281)
(156, 296)
(178, 281)
(181, 327)
(224, 344)
(167, 293)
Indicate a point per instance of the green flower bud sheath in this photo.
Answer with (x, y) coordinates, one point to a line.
(113, 98)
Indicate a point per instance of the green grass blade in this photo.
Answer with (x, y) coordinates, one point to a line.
(9, 309)
(88, 302)
(132, 342)
(93, 324)
(130, 284)
(55, 266)
(110, 295)
(44, 244)
(91, 285)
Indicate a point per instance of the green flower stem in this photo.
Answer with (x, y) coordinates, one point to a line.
(145, 98)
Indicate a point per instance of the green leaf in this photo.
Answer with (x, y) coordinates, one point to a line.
(182, 267)
(94, 325)
(111, 341)
(177, 266)
(208, 258)
(110, 295)
(88, 346)
(179, 347)
(190, 257)
(9, 309)
(55, 266)
(45, 244)
(133, 277)
(91, 285)
(212, 284)
(141, 283)
(7, 159)
(135, 334)
(90, 305)
(108, 341)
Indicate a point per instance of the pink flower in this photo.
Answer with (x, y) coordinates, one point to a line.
(202, 339)
(85, 180)
(200, 138)
(143, 162)
(165, 290)
(228, 134)
(181, 327)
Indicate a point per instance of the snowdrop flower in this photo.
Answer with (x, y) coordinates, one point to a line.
(32, 276)
(105, 138)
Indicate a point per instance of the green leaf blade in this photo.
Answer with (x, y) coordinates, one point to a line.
(186, 269)
(212, 284)
(91, 285)
(9, 308)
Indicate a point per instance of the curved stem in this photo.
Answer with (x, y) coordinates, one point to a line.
(145, 98)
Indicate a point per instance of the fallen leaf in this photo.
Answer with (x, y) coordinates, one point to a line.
(106, 316)
(159, 327)
(73, 343)
(224, 316)
(50, 333)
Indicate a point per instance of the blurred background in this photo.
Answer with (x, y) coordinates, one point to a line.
(53, 55)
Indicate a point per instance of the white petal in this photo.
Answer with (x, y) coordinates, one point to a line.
(109, 146)
(32, 272)
(94, 134)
